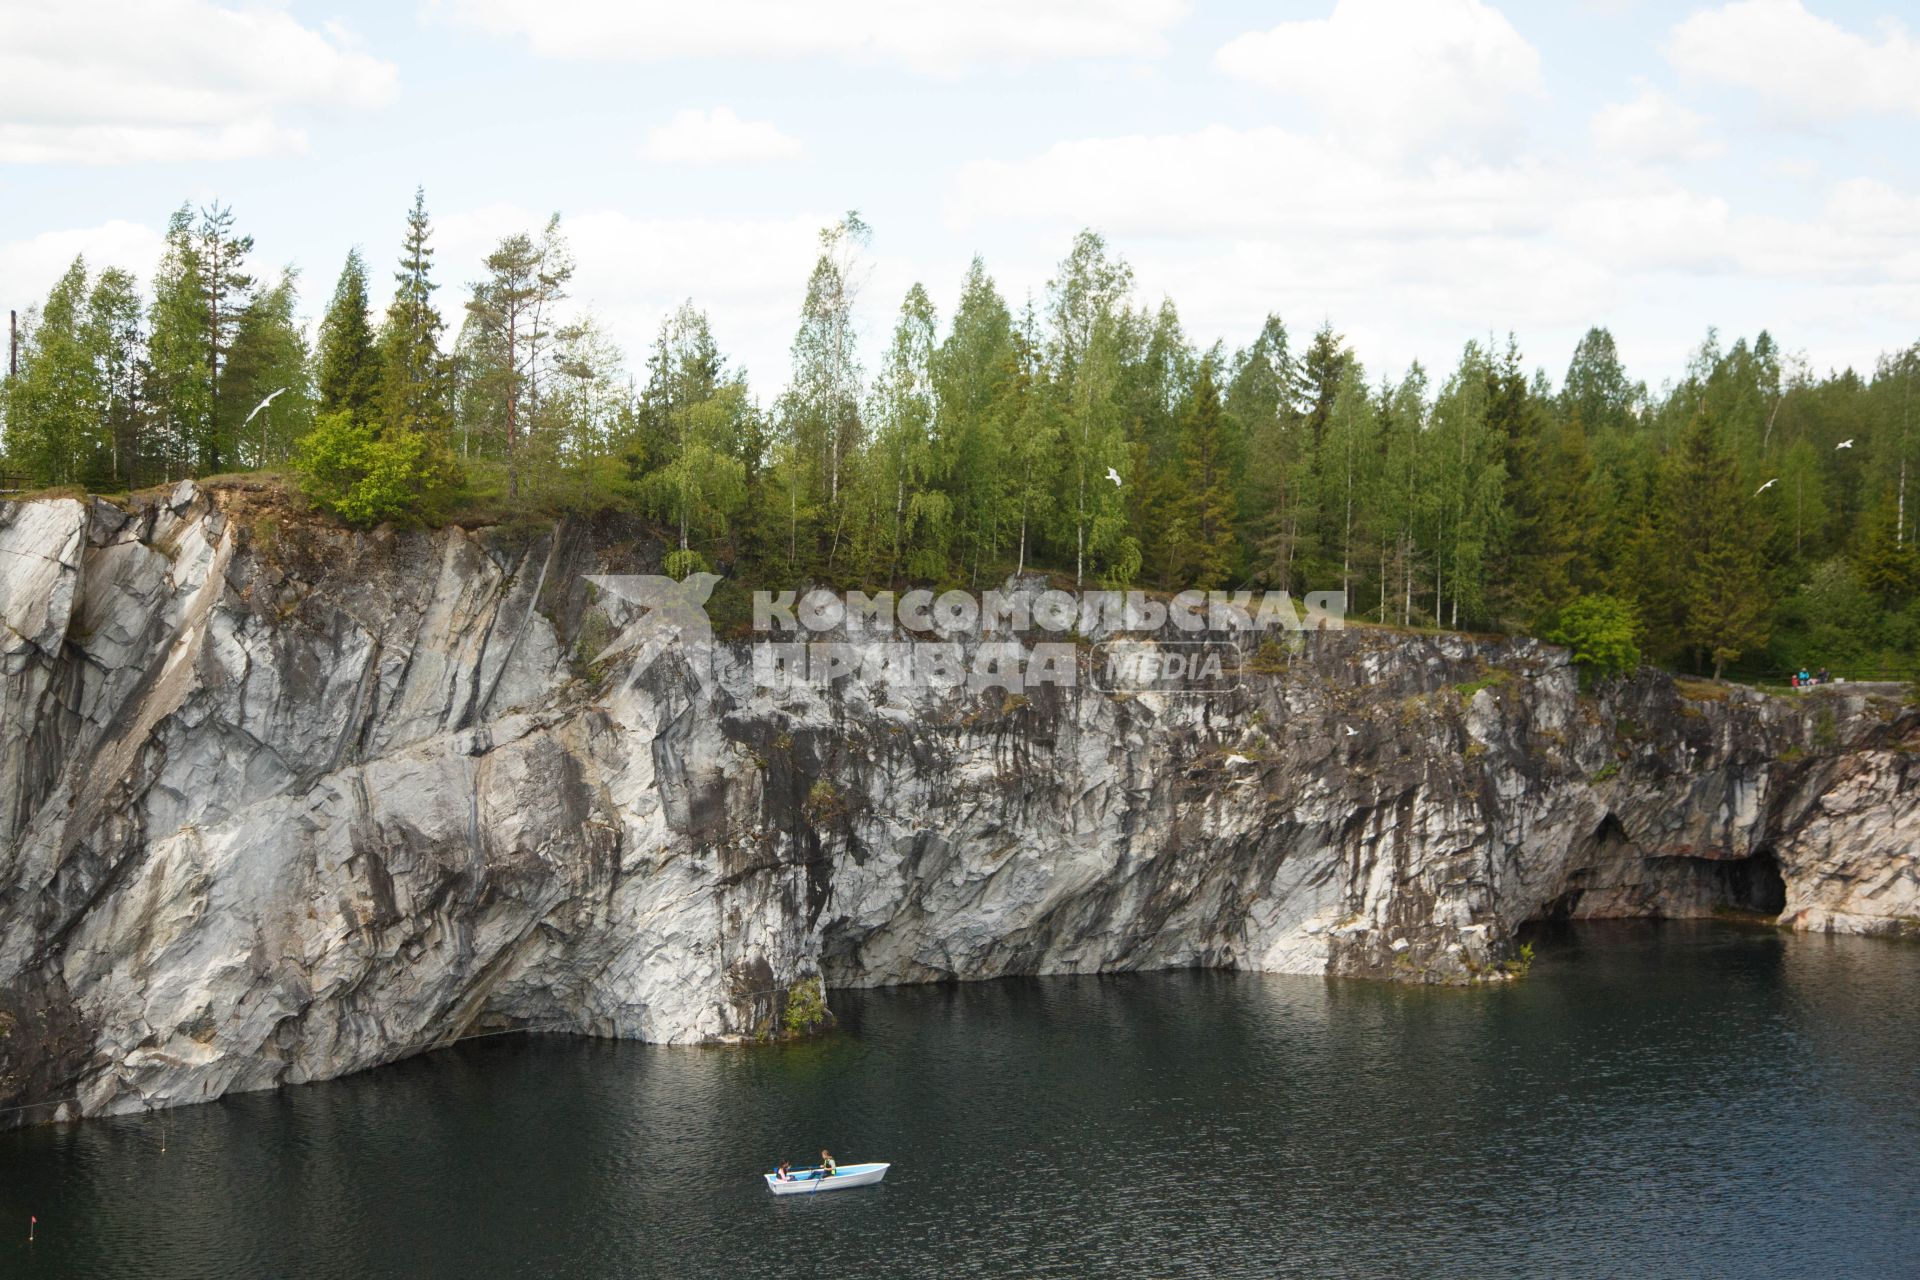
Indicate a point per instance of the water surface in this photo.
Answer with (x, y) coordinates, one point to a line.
(1653, 1100)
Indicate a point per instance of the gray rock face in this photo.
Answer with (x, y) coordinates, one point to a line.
(280, 801)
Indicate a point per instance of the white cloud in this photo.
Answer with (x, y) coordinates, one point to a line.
(1802, 63)
(1235, 223)
(718, 137)
(748, 273)
(938, 35)
(1262, 181)
(1397, 74)
(168, 80)
(28, 268)
(1655, 128)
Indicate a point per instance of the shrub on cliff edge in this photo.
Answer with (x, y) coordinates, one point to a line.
(364, 474)
(1601, 632)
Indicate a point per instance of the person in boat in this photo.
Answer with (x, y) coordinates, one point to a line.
(785, 1171)
(827, 1166)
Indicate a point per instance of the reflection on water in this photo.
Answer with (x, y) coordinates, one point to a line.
(1652, 1100)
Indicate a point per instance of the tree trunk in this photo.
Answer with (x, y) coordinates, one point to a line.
(513, 404)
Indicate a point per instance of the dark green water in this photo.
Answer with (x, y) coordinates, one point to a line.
(1654, 1100)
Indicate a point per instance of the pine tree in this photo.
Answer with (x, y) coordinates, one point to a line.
(350, 374)
(506, 315)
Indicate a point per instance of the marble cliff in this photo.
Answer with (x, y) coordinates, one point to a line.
(281, 800)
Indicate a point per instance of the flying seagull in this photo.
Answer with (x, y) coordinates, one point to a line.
(1113, 476)
(1351, 731)
(1768, 485)
(1844, 444)
(263, 404)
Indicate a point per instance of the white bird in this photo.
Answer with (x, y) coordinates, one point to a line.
(1351, 731)
(1844, 444)
(1768, 485)
(263, 404)
(1113, 476)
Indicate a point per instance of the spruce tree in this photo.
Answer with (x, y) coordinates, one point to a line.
(350, 374)
(415, 392)
(1719, 579)
(1200, 537)
(1515, 422)
(269, 359)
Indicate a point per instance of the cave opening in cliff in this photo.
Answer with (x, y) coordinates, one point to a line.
(1753, 884)
(1610, 878)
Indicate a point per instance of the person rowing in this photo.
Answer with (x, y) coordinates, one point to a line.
(827, 1166)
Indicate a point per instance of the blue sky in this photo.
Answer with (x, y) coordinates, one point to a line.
(1420, 172)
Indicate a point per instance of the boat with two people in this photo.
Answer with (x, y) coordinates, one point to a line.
(828, 1175)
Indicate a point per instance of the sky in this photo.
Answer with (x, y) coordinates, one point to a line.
(1418, 173)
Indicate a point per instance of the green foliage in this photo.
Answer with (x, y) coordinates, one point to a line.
(366, 476)
(1199, 536)
(1826, 731)
(824, 802)
(223, 254)
(682, 564)
(269, 358)
(1521, 962)
(806, 1007)
(349, 372)
(1492, 680)
(1600, 630)
(414, 391)
(1716, 524)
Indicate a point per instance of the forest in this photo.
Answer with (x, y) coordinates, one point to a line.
(1753, 518)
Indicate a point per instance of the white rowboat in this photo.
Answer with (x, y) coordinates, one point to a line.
(804, 1182)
